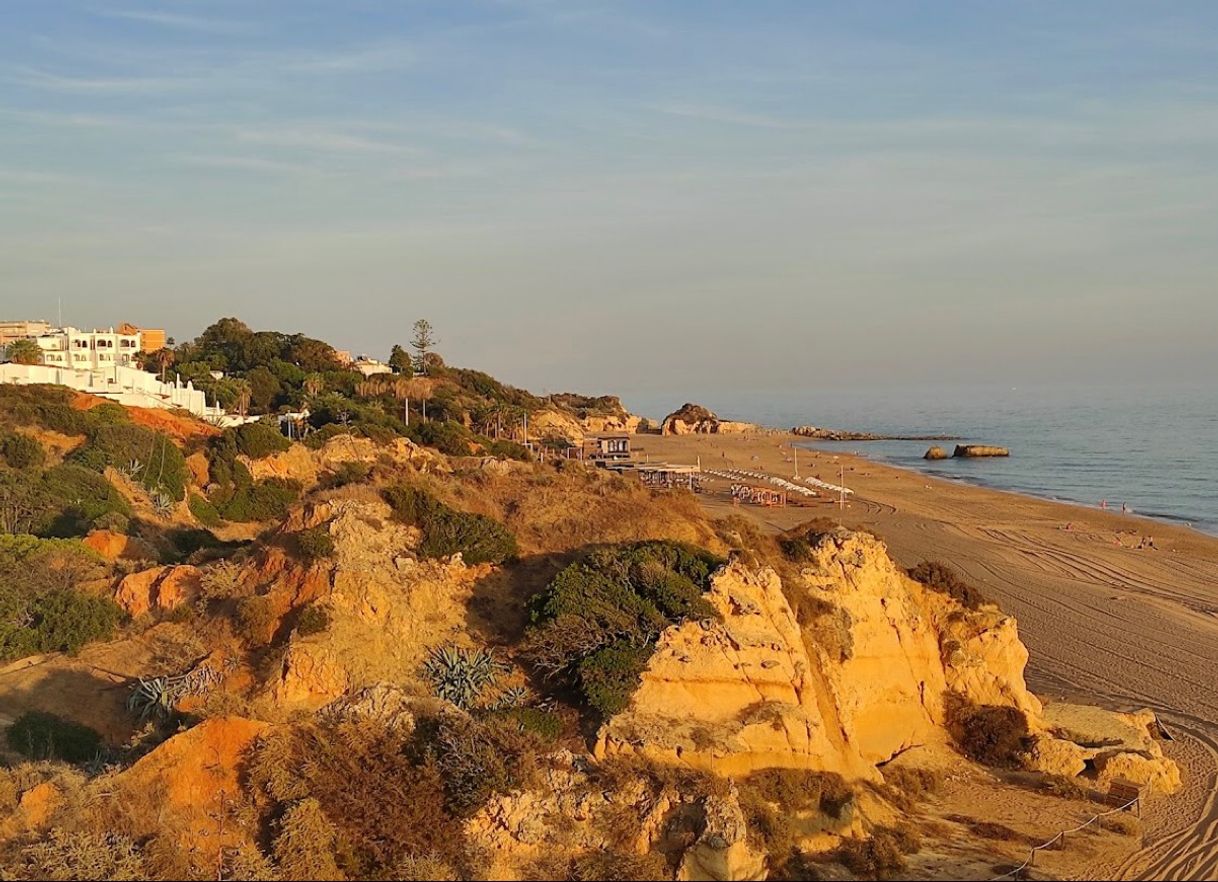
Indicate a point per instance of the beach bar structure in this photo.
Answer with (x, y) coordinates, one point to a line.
(606, 448)
(665, 476)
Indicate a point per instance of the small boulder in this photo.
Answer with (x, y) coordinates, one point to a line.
(1053, 756)
(115, 546)
(936, 452)
(160, 588)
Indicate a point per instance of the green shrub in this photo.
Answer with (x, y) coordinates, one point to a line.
(447, 531)
(65, 620)
(114, 521)
(545, 725)
(109, 413)
(594, 627)
(264, 501)
(82, 497)
(608, 677)
(21, 451)
(448, 437)
(314, 544)
(42, 736)
(317, 439)
(259, 440)
(313, 619)
(151, 457)
(204, 512)
(40, 609)
(509, 450)
(348, 473)
(941, 578)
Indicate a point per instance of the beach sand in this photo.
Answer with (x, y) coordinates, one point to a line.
(1106, 622)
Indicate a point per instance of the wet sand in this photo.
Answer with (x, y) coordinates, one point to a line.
(1106, 621)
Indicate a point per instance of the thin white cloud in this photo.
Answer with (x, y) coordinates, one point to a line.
(246, 163)
(326, 140)
(180, 21)
(40, 79)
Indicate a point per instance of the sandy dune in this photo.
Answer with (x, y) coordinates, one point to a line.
(1106, 622)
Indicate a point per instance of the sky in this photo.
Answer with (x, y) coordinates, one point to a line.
(691, 200)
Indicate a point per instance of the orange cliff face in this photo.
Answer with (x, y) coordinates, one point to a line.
(841, 671)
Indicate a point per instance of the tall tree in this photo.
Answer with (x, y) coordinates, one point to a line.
(24, 352)
(399, 360)
(422, 342)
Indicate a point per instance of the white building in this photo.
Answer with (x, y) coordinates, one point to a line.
(370, 367)
(128, 386)
(88, 350)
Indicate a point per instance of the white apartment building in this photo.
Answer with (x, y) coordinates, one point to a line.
(88, 350)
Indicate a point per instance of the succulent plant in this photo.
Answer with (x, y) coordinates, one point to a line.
(462, 676)
(160, 695)
(163, 503)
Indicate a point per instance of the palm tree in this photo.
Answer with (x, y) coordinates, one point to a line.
(163, 358)
(243, 390)
(24, 351)
(314, 384)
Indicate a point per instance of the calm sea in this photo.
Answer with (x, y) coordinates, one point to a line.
(1154, 449)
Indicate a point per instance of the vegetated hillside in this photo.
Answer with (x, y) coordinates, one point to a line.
(456, 410)
(360, 657)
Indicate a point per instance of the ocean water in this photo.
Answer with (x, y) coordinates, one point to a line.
(1153, 448)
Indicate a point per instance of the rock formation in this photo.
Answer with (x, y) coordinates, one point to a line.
(694, 419)
(842, 670)
(971, 451)
(160, 588)
(936, 452)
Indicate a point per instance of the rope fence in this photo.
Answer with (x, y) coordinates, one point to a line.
(1061, 838)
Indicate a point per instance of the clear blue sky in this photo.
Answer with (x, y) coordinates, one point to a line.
(638, 197)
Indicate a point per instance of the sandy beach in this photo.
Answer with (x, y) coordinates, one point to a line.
(1107, 619)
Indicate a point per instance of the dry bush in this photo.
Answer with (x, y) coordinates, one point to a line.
(422, 869)
(940, 577)
(993, 735)
(81, 854)
(914, 783)
(613, 866)
(823, 624)
(385, 802)
(219, 582)
(255, 620)
(882, 855)
(772, 799)
(304, 843)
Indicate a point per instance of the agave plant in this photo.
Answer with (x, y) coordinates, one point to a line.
(131, 470)
(461, 676)
(160, 695)
(163, 503)
(512, 697)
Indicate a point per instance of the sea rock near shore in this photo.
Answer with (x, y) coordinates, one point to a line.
(936, 452)
(694, 419)
(977, 451)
